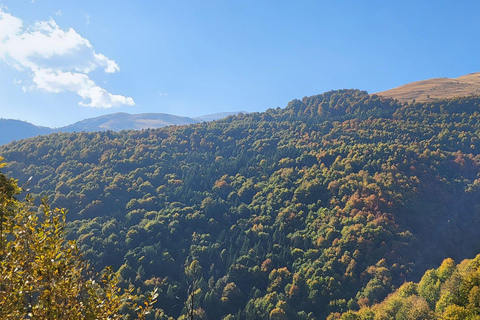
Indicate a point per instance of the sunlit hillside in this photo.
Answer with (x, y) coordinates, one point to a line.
(435, 89)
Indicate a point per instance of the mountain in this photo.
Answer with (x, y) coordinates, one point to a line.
(216, 116)
(11, 130)
(434, 89)
(323, 207)
(125, 121)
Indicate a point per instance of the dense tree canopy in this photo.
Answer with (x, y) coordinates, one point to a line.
(449, 292)
(41, 273)
(325, 206)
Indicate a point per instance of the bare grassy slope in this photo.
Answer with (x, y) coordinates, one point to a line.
(438, 88)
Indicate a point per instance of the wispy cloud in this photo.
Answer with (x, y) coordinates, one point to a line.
(87, 19)
(57, 60)
(58, 13)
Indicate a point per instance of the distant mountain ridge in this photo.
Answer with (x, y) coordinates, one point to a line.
(125, 121)
(11, 130)
(421, 91)
(16, 129)
(215, 116)
(437, 88)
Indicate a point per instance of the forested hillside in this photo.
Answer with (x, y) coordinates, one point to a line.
(325, 206)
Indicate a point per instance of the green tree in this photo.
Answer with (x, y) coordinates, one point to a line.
(42, 275)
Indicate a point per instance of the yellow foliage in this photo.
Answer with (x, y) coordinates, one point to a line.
(41, 273)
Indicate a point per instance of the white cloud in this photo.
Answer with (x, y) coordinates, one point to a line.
(87, 19)
(57, 60)
(58, 13)
(57, 81)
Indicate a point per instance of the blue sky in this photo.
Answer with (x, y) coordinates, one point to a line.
(64, 61)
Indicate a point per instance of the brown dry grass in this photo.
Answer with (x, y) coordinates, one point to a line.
(433, 89)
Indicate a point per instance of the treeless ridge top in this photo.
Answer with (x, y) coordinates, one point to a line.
(438, 88)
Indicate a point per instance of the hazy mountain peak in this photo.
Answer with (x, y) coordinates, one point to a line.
(216, 116)
(125, 121)
(16, 129)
